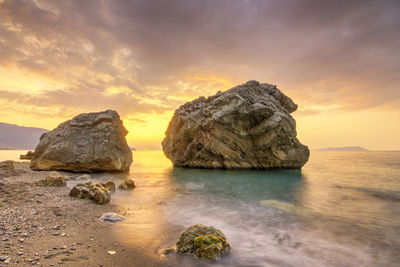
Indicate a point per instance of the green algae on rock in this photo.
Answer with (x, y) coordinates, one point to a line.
(205, 242)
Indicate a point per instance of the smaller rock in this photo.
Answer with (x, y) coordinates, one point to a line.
(84, 177)
(127, 184)
(111, 252)
(91, 190)
(53, 179)
(3, 258)
(29, 155)
(109, 185)
(111, 217)
(205, 242)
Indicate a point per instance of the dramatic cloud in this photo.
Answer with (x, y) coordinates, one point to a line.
(147, 56)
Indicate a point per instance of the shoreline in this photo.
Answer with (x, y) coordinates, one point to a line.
(44, 226)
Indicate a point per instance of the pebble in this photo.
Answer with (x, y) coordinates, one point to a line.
(62, 234)
(111, 252)
(21, 240)
(3, 258)
(72, 248)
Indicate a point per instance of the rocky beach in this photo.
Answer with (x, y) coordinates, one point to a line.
(44, 226)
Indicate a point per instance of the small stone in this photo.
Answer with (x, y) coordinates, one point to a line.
(62, 234)
(111, 252)
(127, 184)
(21, 240)
(3, 258)
(111, 217)
(72, 248)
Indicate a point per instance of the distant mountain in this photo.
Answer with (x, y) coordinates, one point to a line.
(18, 137)
(345, 148)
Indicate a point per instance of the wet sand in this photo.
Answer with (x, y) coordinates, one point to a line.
(44, 226)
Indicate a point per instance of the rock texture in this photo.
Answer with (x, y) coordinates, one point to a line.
(248, 126)
(90, 142)
(93, 191)
(53, 179)
(205, 242)
(28, 155)
(111, 217)
(127, 184)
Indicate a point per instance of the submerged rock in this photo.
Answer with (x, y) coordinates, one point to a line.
(90, 142)
(112, 217)
(29, 155)
(53, 179)
(205, 242)
(127, 184)
(93, 191)
(248, 126)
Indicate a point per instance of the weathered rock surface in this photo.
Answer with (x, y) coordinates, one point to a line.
(111, 217)
(205, 242)
(93, 191)
(109, 185)
(28, 155)
(90, 142)
(248, 126)
(127, 184)
(53, 179)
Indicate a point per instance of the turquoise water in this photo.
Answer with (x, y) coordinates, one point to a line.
(341, 209)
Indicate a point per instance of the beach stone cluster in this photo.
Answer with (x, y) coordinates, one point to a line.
(90, 142)
(248, 126)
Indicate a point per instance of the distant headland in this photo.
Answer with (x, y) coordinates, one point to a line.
(344, 148)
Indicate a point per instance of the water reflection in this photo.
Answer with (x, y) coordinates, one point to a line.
(241, 185)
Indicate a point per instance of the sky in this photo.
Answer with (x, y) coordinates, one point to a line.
(338, 60)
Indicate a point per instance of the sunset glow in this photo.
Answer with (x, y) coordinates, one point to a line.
(59, 59)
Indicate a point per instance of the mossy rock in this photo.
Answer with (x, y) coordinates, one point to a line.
(205, 242)
(210, 247)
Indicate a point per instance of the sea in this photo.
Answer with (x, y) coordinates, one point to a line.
(341, 209)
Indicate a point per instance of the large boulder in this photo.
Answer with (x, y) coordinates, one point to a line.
(90, 142)
(248, 126)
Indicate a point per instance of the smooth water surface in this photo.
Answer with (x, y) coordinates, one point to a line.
(341, 209)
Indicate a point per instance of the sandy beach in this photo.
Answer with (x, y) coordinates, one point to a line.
(44, 226)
